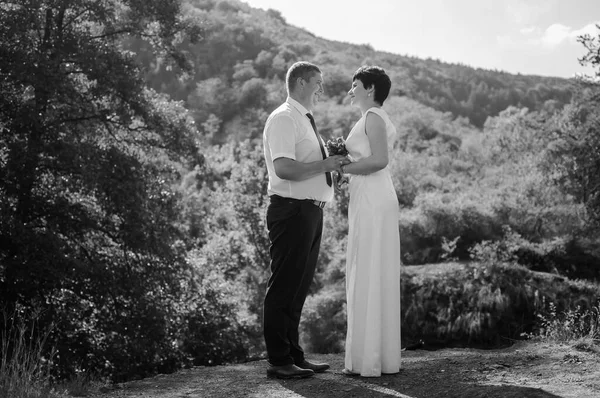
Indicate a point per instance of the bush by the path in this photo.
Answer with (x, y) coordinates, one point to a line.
(453, 304)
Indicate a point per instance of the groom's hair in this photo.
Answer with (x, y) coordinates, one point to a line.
(374, 76)
(301, 69)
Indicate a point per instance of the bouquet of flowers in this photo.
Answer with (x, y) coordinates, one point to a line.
(337, 146)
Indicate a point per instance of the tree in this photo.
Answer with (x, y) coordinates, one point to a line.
(87, 161)
(574, 155)
(592, 45)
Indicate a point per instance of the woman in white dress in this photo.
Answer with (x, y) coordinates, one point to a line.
(373, 256)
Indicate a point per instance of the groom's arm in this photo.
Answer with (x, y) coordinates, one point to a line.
(290, 169)
(282, 142)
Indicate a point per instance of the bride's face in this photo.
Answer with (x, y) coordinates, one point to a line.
(358, 94)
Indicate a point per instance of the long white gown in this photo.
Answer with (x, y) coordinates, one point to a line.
(372, 264)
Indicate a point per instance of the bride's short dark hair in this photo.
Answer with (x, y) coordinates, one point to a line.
(374, 76)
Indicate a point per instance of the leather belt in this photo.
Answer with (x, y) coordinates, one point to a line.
(317, 203)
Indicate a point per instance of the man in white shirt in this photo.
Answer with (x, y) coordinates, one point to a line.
(300, 184)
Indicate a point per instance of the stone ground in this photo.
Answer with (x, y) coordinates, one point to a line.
(526, 369)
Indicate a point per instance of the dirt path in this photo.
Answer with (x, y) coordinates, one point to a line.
(524, 370)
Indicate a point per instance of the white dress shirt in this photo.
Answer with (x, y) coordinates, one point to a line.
(289, 134)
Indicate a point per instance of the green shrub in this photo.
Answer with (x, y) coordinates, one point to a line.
(577, 258)
(480, 304)
(219, 321)
(574, 257)
(424, 229)
(456, 304)
(323, 322)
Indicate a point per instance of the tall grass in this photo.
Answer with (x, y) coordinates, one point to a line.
(569, 326)
(24, 366)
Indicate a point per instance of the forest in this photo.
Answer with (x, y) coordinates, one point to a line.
(133, 186)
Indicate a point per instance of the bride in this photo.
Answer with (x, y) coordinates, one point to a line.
(373, 254)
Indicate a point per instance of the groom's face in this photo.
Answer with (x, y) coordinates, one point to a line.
(313, 89)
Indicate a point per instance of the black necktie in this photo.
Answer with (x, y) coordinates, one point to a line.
(314, 126)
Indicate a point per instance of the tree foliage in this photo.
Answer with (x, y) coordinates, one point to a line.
(89, 219)
(573, 158)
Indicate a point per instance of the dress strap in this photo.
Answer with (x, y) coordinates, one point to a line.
(376, 111)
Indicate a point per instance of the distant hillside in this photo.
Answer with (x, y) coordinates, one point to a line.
(239, 68)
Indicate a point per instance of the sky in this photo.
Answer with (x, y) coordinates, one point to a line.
(532, 37)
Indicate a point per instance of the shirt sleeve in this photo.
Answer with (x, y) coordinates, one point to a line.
(282, 137)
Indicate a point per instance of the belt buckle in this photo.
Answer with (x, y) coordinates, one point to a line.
(320, 204)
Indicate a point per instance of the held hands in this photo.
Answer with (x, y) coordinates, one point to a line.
(335, 162)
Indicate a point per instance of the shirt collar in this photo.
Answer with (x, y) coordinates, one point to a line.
(299, 107)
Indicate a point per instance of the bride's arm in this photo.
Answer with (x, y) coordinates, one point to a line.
(376, 133)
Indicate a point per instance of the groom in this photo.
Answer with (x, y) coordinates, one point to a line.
(300, 185)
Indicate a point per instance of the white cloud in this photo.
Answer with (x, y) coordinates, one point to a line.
(554, 35)
(589, 29)
(557, 34)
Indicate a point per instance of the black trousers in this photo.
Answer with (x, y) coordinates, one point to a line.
(295, 229)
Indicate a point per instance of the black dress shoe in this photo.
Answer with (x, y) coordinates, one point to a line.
(315, 367)
(289, 372)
